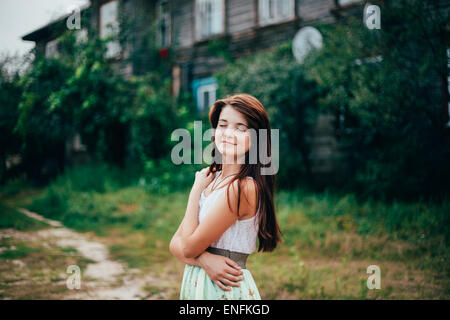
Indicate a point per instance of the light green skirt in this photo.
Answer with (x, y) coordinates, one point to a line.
(197, 285)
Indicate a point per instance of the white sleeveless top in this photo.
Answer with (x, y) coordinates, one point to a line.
(240, 236)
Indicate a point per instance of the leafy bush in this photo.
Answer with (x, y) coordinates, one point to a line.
(9, 97)
(385, 84)
(122, 121)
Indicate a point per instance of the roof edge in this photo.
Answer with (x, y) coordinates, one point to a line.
(37, 33)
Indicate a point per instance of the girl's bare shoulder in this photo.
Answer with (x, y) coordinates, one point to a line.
(247, 206)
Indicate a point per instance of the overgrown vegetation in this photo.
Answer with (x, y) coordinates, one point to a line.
(121, 120)
(388, 87)
(328, 243)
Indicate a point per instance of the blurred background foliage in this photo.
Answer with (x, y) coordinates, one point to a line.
(122, 122)
(383, 83)
(389, 87)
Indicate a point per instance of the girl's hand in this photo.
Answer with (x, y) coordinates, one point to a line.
(202, 179)
(221, 270)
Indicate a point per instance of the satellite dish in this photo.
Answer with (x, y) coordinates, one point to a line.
(305, 40)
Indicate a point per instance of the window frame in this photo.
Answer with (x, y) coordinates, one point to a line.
(166, 42)
(102, 30)
(53, 44)
(197, 36)
(212, 87)
(263, 23)
(348, 3)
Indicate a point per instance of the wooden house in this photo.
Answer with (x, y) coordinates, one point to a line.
(188, 26)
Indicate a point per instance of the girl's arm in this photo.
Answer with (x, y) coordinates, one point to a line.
(176, 248)
(221, 270)
(197, 237)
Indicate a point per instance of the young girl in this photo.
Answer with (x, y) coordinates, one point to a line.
(230, 207)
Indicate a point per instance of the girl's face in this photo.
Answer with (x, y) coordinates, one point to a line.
(232, 134)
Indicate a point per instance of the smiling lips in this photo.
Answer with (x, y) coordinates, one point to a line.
(228, 143)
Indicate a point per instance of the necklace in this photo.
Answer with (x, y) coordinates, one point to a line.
(212, 188)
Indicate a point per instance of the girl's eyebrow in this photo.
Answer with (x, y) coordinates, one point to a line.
(224, 120)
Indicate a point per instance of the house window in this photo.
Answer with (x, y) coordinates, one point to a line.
(81, 36)
(204, 92)
(51, 49)
(109, 27)
(163, 23)
(206, 96)
(209, 18)
(274, 11)
(347, 2)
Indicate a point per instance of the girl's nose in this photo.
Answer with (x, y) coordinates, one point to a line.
(230, 133)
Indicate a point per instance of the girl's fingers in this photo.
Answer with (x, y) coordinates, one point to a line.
(233, 271)
(230, 283)
(221, 286)
(233, 278)
(232, 264)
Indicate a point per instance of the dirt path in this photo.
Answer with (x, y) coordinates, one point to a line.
(102, 278)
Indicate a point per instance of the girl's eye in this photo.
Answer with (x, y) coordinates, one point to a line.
(241, 129)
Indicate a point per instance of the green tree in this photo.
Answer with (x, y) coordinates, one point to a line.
(41, 128)
(387, 86)
(94, 98)
(9, 99)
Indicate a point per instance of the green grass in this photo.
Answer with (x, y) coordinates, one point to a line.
(11, 218)
(329, 239)
(19, 250)
(14, 187)
(40, 274)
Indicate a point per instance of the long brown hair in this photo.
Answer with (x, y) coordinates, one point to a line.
(269, 233)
